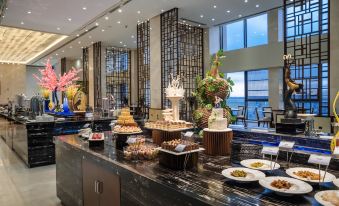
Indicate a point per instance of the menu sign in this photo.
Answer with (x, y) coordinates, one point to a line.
(319, 159)
(131, 140)
(189, 134)
(180, 148)
(270, 150)
(286, 144)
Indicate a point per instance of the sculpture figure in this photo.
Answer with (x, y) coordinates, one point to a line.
(293, 87)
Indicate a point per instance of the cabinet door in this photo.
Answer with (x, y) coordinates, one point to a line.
(109, 188)
(89, 179)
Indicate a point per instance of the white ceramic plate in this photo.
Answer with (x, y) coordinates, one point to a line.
(336, 182)
(319, 198)
(328, 177)
(252, 175)
(298, 187)
(268, 165)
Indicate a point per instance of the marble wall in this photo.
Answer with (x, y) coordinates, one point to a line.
(12, 81)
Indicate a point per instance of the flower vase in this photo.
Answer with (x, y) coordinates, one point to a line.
(65, 106)
(47, 101)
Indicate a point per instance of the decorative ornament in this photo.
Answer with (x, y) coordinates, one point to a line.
(335, 140)
(212, 91)
(51, 81)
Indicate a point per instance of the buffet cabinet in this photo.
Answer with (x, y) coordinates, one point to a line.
(100, 186)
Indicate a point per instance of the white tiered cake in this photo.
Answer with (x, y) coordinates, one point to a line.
(217, 121)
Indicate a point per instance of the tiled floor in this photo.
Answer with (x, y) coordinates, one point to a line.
(21, 186)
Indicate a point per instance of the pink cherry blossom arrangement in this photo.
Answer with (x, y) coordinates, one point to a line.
(51, 81)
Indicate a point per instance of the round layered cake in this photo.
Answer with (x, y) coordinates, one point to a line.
(217, 121)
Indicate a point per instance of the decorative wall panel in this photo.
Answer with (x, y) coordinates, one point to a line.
(118, 73)
(143, 55)
(307, 38)
(181, 54)
(97, 74)
(85, 72)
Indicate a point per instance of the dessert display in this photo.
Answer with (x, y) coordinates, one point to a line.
(328, 197)
(168, 125)
(216, 120)
(136, 140)
(96, 136)
(310, 175)
(174, 92)
(126, 129)
(242, 174)
(126, 119)
(281, 184)
(172, 145)
(140, 152)
(260, 164)
(239, 173)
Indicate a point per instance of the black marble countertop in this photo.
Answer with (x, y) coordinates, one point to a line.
(73, 119)
(204, 183)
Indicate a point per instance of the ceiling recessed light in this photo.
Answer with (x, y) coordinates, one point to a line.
(69, 19)
(213, 19)
(240, 15)
(257, 5)
(22, 23)
(138, 12)
(138, 21)
(106, 17)
(199, 25)
(63, 51)
(162, 10)
(121, 42)
(184, 21)
(29, 12)
(125, 45)
(132, 36)
(214, 6)
(118, 22)
(79, 42)
(70, 47)
(78, 35)
(84, 8)
(102, 30)
(86, 30)
(201, 16)
(119, 10)
(96, 24)
(228, 11)
(92, 42)
(58, 28)
(246, 1)
(56, 54)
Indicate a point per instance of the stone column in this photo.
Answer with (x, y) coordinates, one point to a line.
(90, 77)
(155, 66)
(275, 87)
(134, 78)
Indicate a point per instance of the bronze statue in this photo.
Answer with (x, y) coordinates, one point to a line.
(293, 87)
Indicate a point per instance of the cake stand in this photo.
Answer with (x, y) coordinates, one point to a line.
(217, 142)
(175, 106)
(161, 135)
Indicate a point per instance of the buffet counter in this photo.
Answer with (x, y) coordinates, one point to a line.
(33, 141)
(148, 183)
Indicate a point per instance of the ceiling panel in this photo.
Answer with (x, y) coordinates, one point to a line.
(21, 46)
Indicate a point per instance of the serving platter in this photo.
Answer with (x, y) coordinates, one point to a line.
(336, 182)
(298, 187)
(319, 198)
(252, 175)
(113, 132)
(328, 176)
(267, 165)
(170, 130)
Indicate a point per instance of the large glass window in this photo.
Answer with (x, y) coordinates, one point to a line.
(250, 90)
(257, 92)
(235, 35)
(257, 30)
(245, 33)
(237, 97)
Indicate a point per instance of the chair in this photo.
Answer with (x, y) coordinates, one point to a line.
(241, 115)
(267, 117)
